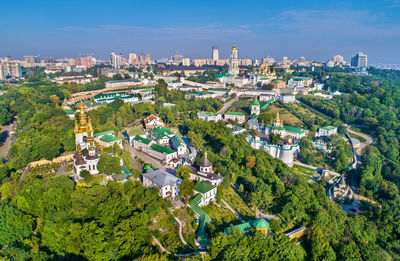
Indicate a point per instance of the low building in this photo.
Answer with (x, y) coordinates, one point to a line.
(277, 127)
(124, 83)
(70, 113)
(207, 191)
(107, 139)
(287, 98)
(258, 224)
(110, 97)
(81, 79)
(152, 122)
(278, 84)
(168, 183)
(300, 82)
(131, 132)
(206, 173)
(156, 151)
(209, 116)
(179, 145)
(340, 190)
(326, 131)
(239, 117)
(161, 135)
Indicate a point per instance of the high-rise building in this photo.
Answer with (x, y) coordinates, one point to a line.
(177, 58)
(215, 53)
(186, 61)
(85, 61)
(141, 58)
(132, 59)
(17, 70)
(116, 60)
(2, 73)
(285, 60)
(31, 59)
(234, 62)
(268, 60)
(302, 59)
(359, 60)
(147, 58)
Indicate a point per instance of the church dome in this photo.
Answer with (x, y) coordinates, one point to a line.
(260, 224)
(205, 162)
(256, 103)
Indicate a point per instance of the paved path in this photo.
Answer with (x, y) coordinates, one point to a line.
(228, 104)
(180, 232)
(8, 142)
(232, 210)
(363, 145)
(134, 163)
(266, 216)
(62, 169)
(161, 246)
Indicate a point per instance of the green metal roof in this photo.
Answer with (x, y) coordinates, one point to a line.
(294, 129)
(126, 171)
(256, 103)
(328, 128)
(203, 187)
(220, 89)
(109, 138)
(261, 223)
(162, 149)
(177, 140)
(236, 113)
(69, 111)
(147, 167)
(109, 132)
(145, 141)
(161, 132)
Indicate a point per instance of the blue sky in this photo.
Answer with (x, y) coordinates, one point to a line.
(314, 29)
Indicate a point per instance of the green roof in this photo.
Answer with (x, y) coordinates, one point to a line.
(147, 167)
(236, 113)
(200, 93)
(177, 140)
(126, 171)
(256, 103)
(219, 89)
(161, 132)
(69, 111)
(109, 132)
(294, 129)
(133, 131)
(109, 138)
(203, 187)
(145, 141)
(208, 113)
(328, 128)
(225, 75)
(113, 95)
(261, 223)
(161, 149)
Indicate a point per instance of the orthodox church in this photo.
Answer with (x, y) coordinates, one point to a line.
(87, 154)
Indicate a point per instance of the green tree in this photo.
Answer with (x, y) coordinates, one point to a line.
(109, 165)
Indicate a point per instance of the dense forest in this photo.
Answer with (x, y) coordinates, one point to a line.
(43, 217)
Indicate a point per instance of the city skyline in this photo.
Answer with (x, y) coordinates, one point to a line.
(293, 29)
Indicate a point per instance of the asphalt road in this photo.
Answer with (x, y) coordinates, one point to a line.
(227, 105)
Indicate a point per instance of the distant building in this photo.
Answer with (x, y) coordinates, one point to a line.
(116, 60)
(133, 59)
(152, 122)
(186, 61)
(326, 131)
(177, 58)
(124, 83)
(255, 107)
(234, 63)
(215, 54)
(239, 117)
(277, 127)
(209, 116)
(88, 62)
(110, 97)
(287, 98)
(359, 60)
(299, 82)
(168, 183)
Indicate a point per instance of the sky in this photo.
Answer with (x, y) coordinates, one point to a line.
(316, 30)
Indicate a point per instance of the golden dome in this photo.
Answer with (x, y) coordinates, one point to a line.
(234, 46)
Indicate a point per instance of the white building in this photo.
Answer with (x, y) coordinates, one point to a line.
(235, 116)
(326, 131)
(209, 116)
(168, 183)
(179, 145)
(234, 62)
(299, 82)
(125, 83)
(81, 79)
(207, 191)
(87, 154)
(107, 139)
(206, 173)
(288, 98)
(277, 127)
(255, 107)
(156, 151)
(152, 122)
